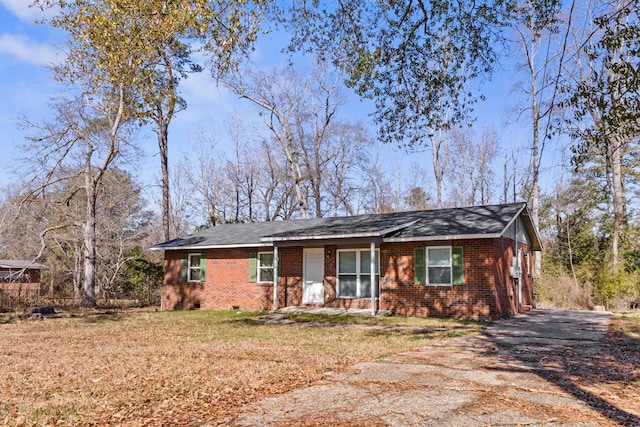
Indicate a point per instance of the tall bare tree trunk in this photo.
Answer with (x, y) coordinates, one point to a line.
(163, 145)
(537, 26)
(88, 286)
(616, 145)
(298, 180)
(535, 157)
(78, 260)
(618, 196)
(163, 114)
(439, 158)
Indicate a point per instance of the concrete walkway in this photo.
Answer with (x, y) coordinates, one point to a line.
(539, 369)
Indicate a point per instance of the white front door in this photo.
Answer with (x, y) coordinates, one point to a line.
(313, 282)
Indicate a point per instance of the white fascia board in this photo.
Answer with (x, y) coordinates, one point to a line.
(443, 237)
(515, 218)
(533, 228)
(197, 248)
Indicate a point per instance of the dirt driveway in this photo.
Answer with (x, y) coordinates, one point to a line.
(546, 368)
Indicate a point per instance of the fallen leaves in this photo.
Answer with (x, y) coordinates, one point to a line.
(178, 368)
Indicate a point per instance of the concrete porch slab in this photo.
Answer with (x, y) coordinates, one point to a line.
(331, 311)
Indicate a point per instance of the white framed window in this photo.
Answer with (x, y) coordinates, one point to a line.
(265, 267)
(354, 273)
(193, 271)
(439, 265)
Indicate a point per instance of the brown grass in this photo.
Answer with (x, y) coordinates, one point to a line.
(625, 328)
(171, 368)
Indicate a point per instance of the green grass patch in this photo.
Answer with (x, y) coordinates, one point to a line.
(413, 322)
(629, 315)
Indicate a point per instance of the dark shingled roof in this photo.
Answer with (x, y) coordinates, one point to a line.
(476, 221)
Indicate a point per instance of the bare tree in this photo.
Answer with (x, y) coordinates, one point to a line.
(190, 207)
(512, 177)
(46, 228)
(243, 172)
(538, 27)
(87, 129)
(203, 185)
(275, 191)
(417, 60)
(279, 96)
(298, 110)
(440, 154)
(377, 188)
(349, 144)
(146, 44)
(123, 223)
(472, 159)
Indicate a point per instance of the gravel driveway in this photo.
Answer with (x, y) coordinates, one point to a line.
(539, 369)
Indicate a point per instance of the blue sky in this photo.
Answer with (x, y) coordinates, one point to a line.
(27, 85)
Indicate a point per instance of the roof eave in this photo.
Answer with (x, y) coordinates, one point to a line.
(25, 267)
(513, 219)
(196, 247)
(441, 237)
(536, 241)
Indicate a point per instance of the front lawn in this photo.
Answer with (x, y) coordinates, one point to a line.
(174, 368)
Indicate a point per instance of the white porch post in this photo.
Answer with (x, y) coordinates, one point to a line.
(373, 278)
(275, 278)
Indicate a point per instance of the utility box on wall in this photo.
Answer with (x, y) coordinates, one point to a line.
(515, 269)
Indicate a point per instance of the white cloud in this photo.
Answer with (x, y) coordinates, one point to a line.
(23, 9)
(27, 51)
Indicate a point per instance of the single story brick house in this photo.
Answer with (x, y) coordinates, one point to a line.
(20, 278)
(473, 262)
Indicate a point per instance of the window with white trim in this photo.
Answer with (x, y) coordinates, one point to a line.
(265, 267)
(354, 273)
(439, 265)
(193, 270)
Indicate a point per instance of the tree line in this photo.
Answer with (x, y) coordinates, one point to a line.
(420, 62)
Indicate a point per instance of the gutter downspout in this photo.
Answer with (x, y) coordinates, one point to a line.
(372, 272)
(275, 278)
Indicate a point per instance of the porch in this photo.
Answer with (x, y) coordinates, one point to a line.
(332, 311)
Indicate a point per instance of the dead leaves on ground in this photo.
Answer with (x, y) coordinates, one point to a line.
(150, 369)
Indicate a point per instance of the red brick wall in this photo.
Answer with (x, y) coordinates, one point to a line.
(473, 299)
(227, 283)
(488, 291)
(507, 289)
